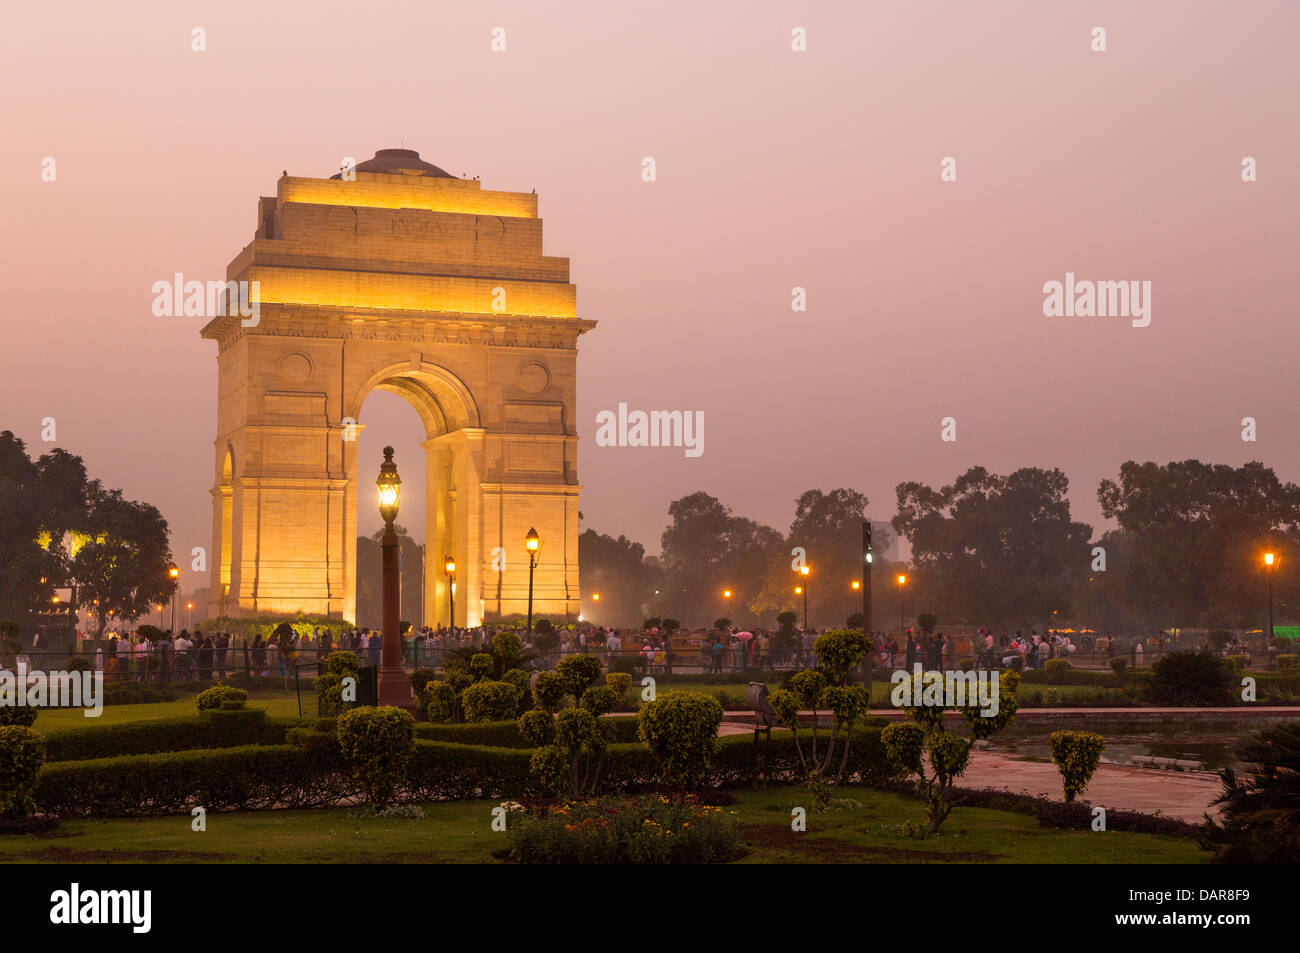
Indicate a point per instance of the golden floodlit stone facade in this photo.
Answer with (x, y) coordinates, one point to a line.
(399, 277)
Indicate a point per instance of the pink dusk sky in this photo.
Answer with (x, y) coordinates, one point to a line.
(776, 169)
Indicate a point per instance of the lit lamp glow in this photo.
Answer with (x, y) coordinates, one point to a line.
(533, 546)
(390, 488)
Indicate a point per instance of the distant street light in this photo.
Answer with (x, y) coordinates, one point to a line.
(902, 581)
(176, 575)
(449, 567)
(805, 571)
(1269, 561)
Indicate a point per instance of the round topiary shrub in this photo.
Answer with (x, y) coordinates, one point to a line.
(681, 730)
(519, 680)
(1056, 669)
(221, 696)
(377, 745)
(537, 727)
(579, 672)
(619, 683)
(482, 665)
(22, 752)
(549, 691)
(489, 701)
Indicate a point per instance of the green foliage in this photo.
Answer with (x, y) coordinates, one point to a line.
(1259, 820)
(579, 672)
(648, 830)
(444, 703)
(847, 703)
(905, 744)
(219, 695)
(1192, 679)
(786, 705)
(507, 647)
(489, 701)
(550, 689)
(619, 683)
(482, 666)
(839, 652)
(1056, 670)
(518, 679)
(22, 752)
(986, 726)
(214, 730)
(377, 744)
(537, 727)
(1077, 754)
(17, 716)
(570, 763)
(807, 687)
(681, 728)
(599, 699)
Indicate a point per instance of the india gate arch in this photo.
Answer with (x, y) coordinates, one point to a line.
(396, 277)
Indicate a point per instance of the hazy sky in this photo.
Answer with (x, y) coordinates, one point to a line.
(776, 169)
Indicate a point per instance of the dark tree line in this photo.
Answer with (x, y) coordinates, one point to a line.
(987, 549)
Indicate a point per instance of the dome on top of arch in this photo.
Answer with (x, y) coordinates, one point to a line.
(399, 161)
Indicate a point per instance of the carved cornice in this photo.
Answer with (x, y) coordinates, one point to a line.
(413, 327)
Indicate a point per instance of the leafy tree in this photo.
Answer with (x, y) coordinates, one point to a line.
(617, 569)
(995, 548)
(370, 559)
(1198, 532)
(123, 566)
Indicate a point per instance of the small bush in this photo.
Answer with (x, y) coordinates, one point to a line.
(1192, 679)
(1056, 670)
(377, 744)
(549, 691)
(22, 752)
(579, 672)
(444, 705)
(218, 695)
(619, 683)
(489, 701)
(681, 730)
(1077, 754)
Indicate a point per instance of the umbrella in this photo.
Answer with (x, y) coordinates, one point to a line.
(744, 636)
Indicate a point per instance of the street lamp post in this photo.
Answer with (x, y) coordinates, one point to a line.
(394, 686)
(449, 567)
(805, 571)
(175, 574)
(533, 546)
(902, 580)
(1269, 561)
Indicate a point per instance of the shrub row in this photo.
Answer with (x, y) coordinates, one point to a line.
(504, 734)
(311, 774)
(212, 729)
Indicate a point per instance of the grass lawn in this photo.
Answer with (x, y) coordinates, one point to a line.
(864, 826)
(276, 704)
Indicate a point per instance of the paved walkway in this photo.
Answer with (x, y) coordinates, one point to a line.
(1185, 795)
(1114, 786)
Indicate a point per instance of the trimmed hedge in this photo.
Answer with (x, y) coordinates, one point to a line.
(505, 734)
(230, 779)
(255, 777)
(210, 730)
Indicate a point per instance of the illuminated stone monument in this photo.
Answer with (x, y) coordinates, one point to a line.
(402, 278)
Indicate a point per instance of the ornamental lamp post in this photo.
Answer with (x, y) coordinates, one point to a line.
(805, 571)
(394, 686)
(532, 546)
(449, 567)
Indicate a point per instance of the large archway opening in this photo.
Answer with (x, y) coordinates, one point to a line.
(429, 417)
